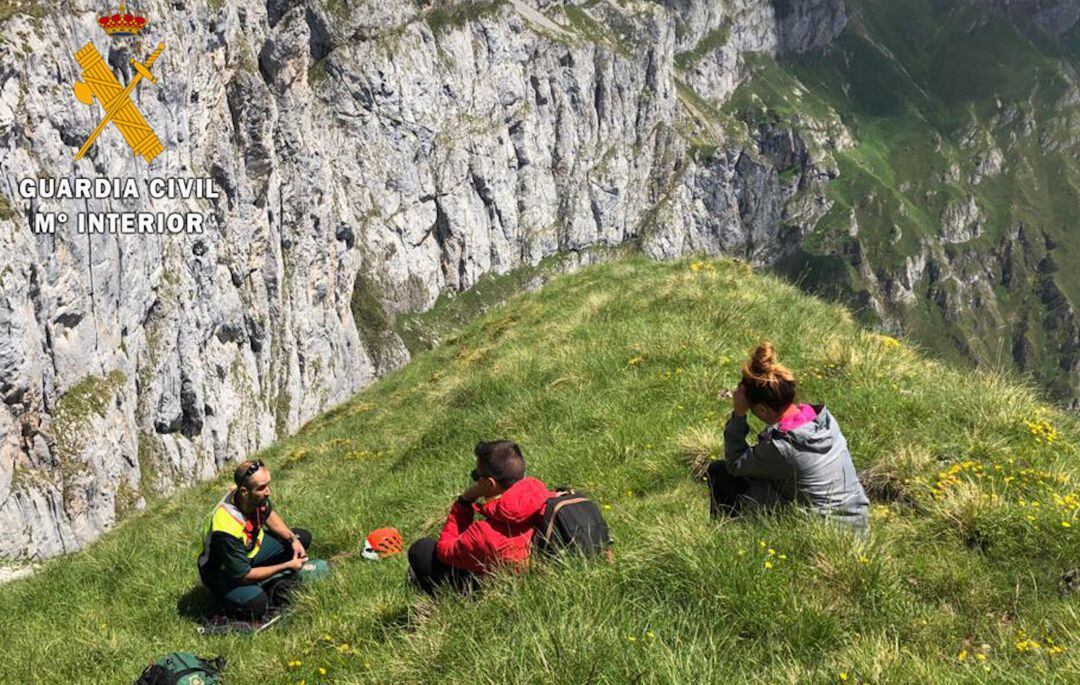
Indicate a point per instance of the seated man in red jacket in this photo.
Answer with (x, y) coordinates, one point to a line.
(470, 547)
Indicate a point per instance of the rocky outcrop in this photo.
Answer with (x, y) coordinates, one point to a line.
(711, 38)
(807, 25)
(369, 156)
(961, 221)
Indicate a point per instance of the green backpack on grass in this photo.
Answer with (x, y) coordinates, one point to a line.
(183, 668)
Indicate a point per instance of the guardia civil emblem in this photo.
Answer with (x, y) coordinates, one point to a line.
(100, 83)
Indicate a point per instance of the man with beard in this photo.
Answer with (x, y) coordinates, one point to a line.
(239, 562)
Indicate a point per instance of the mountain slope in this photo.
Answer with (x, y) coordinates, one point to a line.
(950, 138)
(608, 379)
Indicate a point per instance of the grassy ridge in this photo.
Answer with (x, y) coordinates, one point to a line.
(608, 379)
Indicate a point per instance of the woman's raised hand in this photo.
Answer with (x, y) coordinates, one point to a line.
(738, 399)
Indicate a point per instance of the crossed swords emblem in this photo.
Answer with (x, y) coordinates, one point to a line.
(100, 83)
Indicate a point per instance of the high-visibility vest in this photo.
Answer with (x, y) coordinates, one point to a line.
(226, 518)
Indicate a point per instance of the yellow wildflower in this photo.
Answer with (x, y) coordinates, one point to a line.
(888, 341)
(1027, 645)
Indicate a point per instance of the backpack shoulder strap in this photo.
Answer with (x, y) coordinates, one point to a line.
(562, 500)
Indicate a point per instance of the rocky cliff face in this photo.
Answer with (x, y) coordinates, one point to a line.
(369, 156)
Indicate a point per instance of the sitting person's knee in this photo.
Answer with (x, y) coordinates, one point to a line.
(304, 536)
(254, 606)
(421, 554)
(717, 471)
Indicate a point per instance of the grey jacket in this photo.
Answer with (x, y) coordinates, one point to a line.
(810, 465)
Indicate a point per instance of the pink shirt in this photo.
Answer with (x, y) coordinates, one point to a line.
(804, 415)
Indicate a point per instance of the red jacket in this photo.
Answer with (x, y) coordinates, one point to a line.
(502, 536)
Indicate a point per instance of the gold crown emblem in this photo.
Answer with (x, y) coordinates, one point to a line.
(122, 23)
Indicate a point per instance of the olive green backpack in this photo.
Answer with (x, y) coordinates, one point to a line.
(183, 668)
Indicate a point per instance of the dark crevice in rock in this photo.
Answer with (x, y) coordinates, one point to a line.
(276, 9)
(783, 148)
(345, 234)
(443, 234)
(597, 214)
(69, 319)
(483, 191)
(264, 72)
(538, 97)
(319, 38)
(256, 334)
(230, 332)
(222, 180)
(120, 61)
(11, 395)
(191, 422)
(517, 137)
(599, 97)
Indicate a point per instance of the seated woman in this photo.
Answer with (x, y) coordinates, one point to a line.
(800, 457)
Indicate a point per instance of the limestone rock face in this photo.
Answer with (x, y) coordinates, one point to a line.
(806, 25)
(961, 221)
(713, 37)
(368, 156)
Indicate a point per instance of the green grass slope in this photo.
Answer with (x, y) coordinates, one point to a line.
(609, 379)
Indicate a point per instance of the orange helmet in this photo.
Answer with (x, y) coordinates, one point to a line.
(382, 543)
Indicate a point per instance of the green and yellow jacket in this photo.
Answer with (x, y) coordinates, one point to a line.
(231, 541)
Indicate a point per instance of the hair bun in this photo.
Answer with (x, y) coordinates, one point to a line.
(762, 368)
(766, 381)
(764, 359)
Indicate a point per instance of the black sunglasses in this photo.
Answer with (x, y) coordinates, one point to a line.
(255, 466)
(476, 475)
